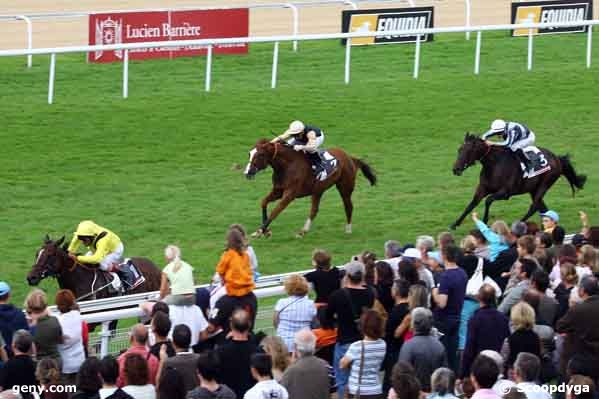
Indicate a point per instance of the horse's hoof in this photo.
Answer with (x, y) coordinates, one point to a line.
(258, 233)
(300, 234)
(268, 233)
(348, 229)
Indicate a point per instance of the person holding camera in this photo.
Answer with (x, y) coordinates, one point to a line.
(324, 279)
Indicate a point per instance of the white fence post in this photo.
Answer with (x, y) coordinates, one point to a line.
(468, 16)
(105, 337)
(347, 59)
(51, 78)
(29, 37)
(295, 12)
(126, 74)
(529, 49)
(589, 45)
(275, 62)
(417, 57)
(209, 67)
(477, 56)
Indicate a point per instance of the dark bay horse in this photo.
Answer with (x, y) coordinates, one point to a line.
(501, 176)
(52, 260)
(293, 178)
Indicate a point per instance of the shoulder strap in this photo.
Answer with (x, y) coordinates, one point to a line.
(290, 303)
(361, 372)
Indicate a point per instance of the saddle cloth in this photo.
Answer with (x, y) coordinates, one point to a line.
(538, 163)
(327, 165)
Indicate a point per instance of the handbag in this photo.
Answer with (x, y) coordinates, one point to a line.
(477, 280)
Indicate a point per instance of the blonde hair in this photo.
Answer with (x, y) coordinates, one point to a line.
(588, 257)
(522, 316)
(172, 252)
(36, 301)
(468, 244)
(296, 285)
(500, 227)
(47, 372)
(568, 273)
(276, 348)
(417, 297)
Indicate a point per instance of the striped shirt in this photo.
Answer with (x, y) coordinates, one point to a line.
(374, 353)
(295, 313)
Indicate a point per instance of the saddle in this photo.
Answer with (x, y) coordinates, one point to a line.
(126, 277)
(538, 164)
(323, 164)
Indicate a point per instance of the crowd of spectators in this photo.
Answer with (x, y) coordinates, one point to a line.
(503, 312)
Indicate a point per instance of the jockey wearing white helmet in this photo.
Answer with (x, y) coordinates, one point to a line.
(516, 137)
(305, 138)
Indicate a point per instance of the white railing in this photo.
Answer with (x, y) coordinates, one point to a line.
(209, 43)
(293, 6)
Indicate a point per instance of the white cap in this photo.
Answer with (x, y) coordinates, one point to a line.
(498, 125)
(412, 253)
(296, 127)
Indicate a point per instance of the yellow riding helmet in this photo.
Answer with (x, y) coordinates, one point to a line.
(87, 228)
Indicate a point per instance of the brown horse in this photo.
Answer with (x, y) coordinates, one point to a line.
(52, 260)
(501, 176)
(293, 178)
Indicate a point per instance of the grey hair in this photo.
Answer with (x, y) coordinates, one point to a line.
(442, 381)
(305, 342)
(495, 356)
(427, 242)
(527, 366)
(392, 248)
(22, 340)
(422, 321)
(172, 252)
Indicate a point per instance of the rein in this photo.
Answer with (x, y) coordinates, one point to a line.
(276, 151)
(486, 153)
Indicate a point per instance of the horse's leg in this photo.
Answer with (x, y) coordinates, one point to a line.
(313, 212)
(346, 192)
(537, 201)
(285, 201)
(501, 195)
(479, 194)
(274, 195)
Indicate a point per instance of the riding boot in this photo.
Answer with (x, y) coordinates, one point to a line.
(524, 159)
(316, 161)
(130, 276)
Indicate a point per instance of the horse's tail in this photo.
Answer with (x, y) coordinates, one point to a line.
(576, 181)
(366, 170)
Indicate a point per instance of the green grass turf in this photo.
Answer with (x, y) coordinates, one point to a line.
(156, 168)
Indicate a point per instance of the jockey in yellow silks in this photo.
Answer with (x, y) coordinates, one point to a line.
(105, 247)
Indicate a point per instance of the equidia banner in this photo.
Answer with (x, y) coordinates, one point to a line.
(559, 11)
(163, 26)
(384, 20)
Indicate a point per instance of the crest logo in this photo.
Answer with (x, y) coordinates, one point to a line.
(109, 31)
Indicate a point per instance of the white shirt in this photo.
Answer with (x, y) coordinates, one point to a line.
(71, 350)
(269, 389)
(191, 316)
(181, 281)
(141, 391)
(295, 313)
(106, 392)
(253, 258)
(394, 263)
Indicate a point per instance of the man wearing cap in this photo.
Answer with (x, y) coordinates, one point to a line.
(550, 219)
(305, 138)
(516, 137)
(414, 255)
(346, 305)
(11, 317)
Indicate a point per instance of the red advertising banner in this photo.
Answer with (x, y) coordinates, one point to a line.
(163, 26)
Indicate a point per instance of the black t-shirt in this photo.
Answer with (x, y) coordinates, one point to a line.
(396, 316)
(225, 306)
(347, 305)
(155, 349)
(19, 370)
(325, 282)
(234, 357)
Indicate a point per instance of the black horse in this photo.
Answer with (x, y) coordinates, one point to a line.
(501, 176)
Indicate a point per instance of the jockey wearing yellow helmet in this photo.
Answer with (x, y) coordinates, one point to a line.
(106, 248)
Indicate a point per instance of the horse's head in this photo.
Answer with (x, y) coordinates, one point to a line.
(49, 261)
(260, 157)
(473, 149)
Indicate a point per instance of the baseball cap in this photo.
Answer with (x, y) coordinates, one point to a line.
(412, 253)
(578, 240)
(354, 267)
(436, 255)
(4, 288)
(551, 215)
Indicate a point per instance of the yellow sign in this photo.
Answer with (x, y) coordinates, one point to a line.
(527, 15)
(363, 23)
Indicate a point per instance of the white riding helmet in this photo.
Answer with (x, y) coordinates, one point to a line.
(296, 127)
(498, 125)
